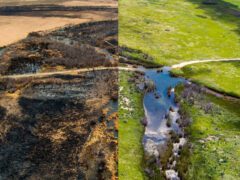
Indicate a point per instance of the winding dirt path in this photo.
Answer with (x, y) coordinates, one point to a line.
(181, 65)
(82, 70)
(75, 71)
(70, 72)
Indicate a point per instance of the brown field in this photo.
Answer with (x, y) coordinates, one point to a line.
(109, 3)
(112, 3)
(16, 25)
(14, 28)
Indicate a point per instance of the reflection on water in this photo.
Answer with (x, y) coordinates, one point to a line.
(157, 104)
(161, 113)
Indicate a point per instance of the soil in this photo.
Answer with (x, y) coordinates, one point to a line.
(17, 21)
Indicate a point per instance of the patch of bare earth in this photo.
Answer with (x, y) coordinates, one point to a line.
(15, 28)
(16, 22)
(110, 3)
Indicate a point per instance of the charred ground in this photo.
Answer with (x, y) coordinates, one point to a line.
(59, 127)
(85, 45)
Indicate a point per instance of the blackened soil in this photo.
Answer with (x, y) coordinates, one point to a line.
(80, 46)
(50, 128)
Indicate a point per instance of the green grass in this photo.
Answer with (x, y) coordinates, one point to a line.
(234, 3)
(216, 159)
(179, 30)
(130, 162)
(221, 76)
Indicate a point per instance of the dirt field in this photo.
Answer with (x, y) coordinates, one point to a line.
(15, 28)
(17, 22)
(112, 3)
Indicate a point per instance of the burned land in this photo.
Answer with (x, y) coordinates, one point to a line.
(85, 45)
(18, 18)
(60, 126)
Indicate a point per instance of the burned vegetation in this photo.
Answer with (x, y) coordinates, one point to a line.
(60, 126)
(82, 46)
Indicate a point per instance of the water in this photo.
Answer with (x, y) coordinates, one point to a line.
(156, 109)
(161, 113)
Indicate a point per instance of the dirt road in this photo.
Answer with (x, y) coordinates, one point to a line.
(181, 65)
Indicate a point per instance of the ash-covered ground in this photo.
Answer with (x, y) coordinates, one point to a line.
(60, 126)
(79, 46)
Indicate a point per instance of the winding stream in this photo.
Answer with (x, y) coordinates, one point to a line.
(161, 114)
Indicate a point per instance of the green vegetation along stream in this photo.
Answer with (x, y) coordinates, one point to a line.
(199, 140)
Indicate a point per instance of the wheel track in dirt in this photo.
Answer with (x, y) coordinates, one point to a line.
(183, 64)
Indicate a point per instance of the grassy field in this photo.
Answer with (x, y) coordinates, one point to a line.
(220, 76)
(180, 30)
(130, 131)
(215, 138)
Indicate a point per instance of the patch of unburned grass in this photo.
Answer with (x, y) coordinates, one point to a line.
(220, 76)
(179, 30)
(130, 130)
(215, 140)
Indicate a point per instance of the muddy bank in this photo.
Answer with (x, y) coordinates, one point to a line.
(85, 45)
(50, 127)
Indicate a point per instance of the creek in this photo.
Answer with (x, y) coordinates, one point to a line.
(161, 119)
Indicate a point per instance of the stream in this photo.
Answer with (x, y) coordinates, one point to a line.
(161, 114)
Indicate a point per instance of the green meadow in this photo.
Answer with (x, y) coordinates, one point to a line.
(180, 30)
(215, 140)
(167, 32)
(130, 130)
(221, 76)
